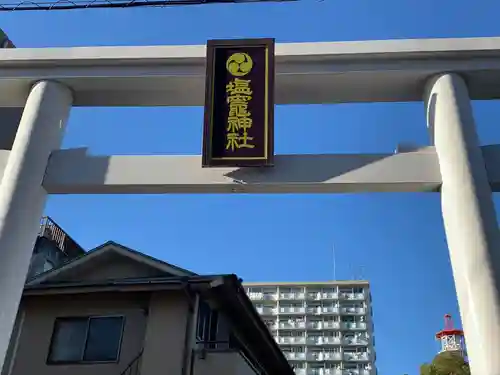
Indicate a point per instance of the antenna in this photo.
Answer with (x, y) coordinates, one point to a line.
(361, 272)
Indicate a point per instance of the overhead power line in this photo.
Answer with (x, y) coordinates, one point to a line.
(92, 4)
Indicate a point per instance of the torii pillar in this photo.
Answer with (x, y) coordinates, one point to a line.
(469, 219)
(22, 196)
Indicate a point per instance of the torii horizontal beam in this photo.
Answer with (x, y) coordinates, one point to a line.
(306, 73)
(73, 171)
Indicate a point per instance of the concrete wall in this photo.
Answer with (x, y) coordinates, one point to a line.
(155, 322)
(165, 334)
(38, 323)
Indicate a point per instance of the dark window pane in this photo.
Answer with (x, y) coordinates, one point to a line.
(223, 329)
(233, 342)
(68, 340)
(214, 321)
(103, 341)
(203, 321)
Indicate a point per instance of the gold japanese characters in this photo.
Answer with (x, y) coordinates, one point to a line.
(239, 121)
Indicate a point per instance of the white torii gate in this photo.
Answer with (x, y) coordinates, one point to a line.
(444, 73)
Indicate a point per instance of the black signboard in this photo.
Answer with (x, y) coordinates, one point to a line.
(239, 103)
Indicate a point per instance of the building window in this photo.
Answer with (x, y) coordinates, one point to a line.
(88, 339)
(207, 323)
(213, 330)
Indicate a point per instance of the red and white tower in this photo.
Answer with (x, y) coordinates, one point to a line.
(452, 339)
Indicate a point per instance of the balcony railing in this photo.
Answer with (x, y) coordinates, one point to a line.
(358, 341)
(292, 310)
(292, 325)
(271, 326)
(323, 310)
(324, 371)
(134, 367)
(323, 325)
(353, 326)
(292, 340)
(292, 296)
(353, 310)
(355, 372)
(266, 310)
(356, 356)
(352, 296)
(257, 296)
(53, 232)
(322, 296)
(332, 371)
(324, 356)
(323, 340)
(300, 371)
(295, 356)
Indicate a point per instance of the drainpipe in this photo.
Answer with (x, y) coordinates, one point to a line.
(190, 335)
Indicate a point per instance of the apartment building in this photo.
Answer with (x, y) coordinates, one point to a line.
(116, 311)
(53, 247)
(323, 328)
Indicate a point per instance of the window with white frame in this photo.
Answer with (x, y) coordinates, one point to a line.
(86, 339)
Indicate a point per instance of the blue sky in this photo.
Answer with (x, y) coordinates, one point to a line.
(394, 240)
